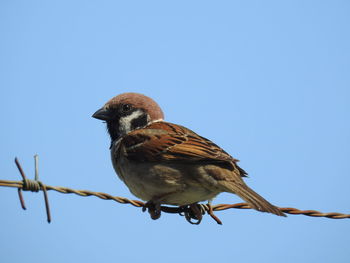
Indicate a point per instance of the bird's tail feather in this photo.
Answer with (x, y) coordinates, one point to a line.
(255, 200)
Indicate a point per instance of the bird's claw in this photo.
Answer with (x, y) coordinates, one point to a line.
(153, 209)
(193, 213)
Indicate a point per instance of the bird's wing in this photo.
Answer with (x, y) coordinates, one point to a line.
(167, 142)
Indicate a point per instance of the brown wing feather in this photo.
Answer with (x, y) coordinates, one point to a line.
(167, 142)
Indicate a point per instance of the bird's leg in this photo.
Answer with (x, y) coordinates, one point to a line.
(197, 212)
(193, 211)
(154, 205)
(153, 209)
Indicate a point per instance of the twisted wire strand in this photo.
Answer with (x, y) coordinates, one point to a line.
(193, 213)
(168, 209)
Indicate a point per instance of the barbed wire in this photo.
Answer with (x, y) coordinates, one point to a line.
(192, 213)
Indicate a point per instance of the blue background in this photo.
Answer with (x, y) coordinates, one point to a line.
(267, 80)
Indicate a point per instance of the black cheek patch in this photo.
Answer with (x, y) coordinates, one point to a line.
(139, 122)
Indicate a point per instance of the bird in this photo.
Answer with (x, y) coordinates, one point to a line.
(166, 163)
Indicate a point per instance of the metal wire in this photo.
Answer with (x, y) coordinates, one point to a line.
(189, 212)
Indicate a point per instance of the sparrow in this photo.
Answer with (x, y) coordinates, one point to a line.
(165, 163)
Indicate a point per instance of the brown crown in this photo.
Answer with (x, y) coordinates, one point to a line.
(138, 100)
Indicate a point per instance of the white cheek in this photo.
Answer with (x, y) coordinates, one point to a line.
(125, 122)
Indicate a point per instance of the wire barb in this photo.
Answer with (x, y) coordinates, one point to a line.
(33, 186)
(193, 213)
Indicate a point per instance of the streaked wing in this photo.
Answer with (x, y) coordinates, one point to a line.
(167, 142)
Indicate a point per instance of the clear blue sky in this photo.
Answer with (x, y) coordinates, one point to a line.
(267, 80)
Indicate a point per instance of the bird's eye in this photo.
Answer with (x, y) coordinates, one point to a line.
(126, 108)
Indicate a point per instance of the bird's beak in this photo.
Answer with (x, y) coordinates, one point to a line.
(101, 114)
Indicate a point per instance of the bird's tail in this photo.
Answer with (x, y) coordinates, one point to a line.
(255, 200)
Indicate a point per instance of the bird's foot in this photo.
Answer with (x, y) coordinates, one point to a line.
(153, 209)
(193, 213)
(196, 211)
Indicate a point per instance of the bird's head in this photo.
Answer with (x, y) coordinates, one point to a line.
(127, 112)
